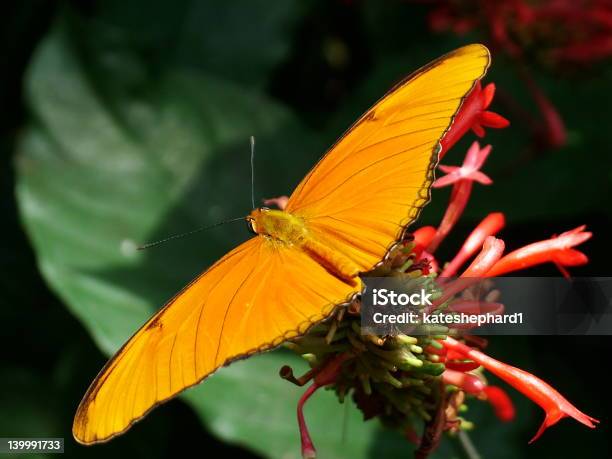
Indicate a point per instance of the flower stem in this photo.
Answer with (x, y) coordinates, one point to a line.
(308, 449)
(468, 446)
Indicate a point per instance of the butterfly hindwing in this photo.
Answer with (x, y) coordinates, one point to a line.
(251, 300)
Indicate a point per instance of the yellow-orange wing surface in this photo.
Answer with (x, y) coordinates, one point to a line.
(374, 181)
(354, 205)
(255, 297)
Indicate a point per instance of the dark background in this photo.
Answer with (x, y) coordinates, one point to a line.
(340, 57)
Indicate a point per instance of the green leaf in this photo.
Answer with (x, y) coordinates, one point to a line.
(95, 180)
(338, 431)
(241, 41)
(106, 164)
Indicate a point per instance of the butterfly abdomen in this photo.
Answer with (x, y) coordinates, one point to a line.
(333, 261)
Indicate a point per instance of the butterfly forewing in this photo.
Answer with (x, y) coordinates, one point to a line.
(376, 178)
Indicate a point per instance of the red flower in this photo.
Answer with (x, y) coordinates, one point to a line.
(557, 250)
(491, 252)
(551, 131)
(308, 449)
(564, 30)
(458, 200)
(447, 358)
(501, 403)
(470, 170)
(558, 32)
(489, 256)
(461, 366)
(462, 179)
(474, 115)
(324, 376)
(423, 236)
(552, 402)
(465, 381)
(280, 202)
(491, 225)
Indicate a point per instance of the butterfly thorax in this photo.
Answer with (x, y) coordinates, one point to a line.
(292, 230)
(279, 225)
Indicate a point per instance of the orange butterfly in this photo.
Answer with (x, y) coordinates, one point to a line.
(341, 221)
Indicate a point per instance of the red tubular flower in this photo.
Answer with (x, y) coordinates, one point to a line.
(458, 200)
(424, 235)
(308, 449)
(422, 238)
(461, 178)
(325, 376)
(474, 115)
(551, 131)
(470, 170)
(489, 256)
(442, 19)
(591, 39)
(558, 32)
(280, 202)
(491, 252)
(557, 250)
(501, 403)
(465, 381)
(461, 366)
(434, 350)
(552, 402)
(491, 225)
(566, 30)
(597, 48)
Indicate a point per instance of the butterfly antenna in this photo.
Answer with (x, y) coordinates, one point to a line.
(252, 172)
(188, 233)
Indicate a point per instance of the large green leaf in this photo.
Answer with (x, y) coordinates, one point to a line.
(265, 410)
(241, 40)
(98, 173)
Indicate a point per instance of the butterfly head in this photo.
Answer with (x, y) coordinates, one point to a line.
(256, 220)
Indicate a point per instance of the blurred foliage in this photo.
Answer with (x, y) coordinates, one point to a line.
(137, 126)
